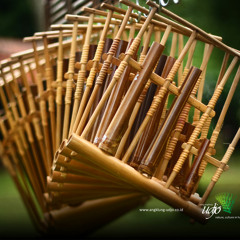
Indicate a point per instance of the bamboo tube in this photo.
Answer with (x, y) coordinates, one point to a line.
(72, 198)
(143, 93)
(101, 77)
(131, 176)
(70, 81)
(116, 95)
(51, 102)
(159, 97)
(62, 177)
(207, 157)
(119, 123)
(220, 169)
(113, 103)
(93, 70)
(81, 159)
(184, 115)
(151, 158)
(119, 71)
(83, 169)
(86, 188)
(192, 178)
(151, 127)
(202, 120)
(82, 72)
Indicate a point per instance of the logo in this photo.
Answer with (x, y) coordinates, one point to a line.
(226, 200)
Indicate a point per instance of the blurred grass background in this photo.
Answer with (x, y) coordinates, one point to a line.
(219, 17)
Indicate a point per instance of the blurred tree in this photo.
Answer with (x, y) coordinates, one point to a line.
(17, 18)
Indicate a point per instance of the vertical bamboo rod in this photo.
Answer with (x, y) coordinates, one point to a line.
(81, 74)
(59, 93)
(93, 71)
(70, 81)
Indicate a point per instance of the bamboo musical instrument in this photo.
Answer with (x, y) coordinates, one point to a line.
(110, 125)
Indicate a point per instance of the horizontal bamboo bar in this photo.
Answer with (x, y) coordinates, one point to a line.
(172, 88)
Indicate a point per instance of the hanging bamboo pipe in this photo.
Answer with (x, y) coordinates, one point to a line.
(184, 115)
(119, 123)
(202, 120)
(113, 103)
(192, 178)
(99, 81)
(93, 71)
(153, 124)
(220, 169)
(120, 69)
(152, 156)
(164, 89)
(117, 94)
(139, 101)
(171, 59)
